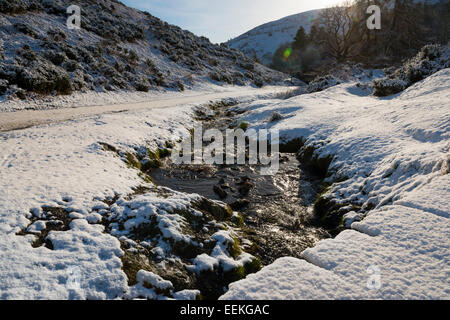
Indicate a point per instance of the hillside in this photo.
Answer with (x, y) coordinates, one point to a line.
(264, 40)
(117, 48)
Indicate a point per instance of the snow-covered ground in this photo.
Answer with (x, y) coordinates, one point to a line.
(64, 165)
(23, 114)
(94, 98)
(393, 154)
(393, 151)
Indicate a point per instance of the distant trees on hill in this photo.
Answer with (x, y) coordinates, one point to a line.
(340, 33)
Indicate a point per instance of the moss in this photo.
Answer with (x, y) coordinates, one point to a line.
(234, 275)
(164, 152)
(154, 162)
(145, 177)
(199, 297)
(234, 248)
(151, 164)
(108, 147)
(238, 219)
(327, 214)
(243, 125)
(168, 145)
(253, 266)
(219, 212)
(319, 165)
(184, 249)
(132, 161)
(292, 146)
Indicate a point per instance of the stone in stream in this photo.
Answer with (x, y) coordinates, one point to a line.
(239, 204)
(220, 192)
(244, 186)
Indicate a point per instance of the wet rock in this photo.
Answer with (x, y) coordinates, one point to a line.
(244, 186)
(220, 192)
(239, 204)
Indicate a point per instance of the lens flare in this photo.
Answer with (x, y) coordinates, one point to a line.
(287, 53)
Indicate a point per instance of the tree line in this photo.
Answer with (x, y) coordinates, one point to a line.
(340, 34)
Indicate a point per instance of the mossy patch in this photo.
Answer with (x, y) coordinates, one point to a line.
(253, 266)
(291, 146)
(108, 147)
(132, 161)
(219, 212)
(234, 248)
(319, 165)
(243, 125)
(234, 275)
(238, 219)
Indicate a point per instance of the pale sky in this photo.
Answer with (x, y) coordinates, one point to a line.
(221, 20)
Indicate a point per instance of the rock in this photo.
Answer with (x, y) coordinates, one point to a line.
(220, 192)
(245, 188)
(239, 204)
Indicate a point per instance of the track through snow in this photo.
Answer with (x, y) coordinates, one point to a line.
(27, 118)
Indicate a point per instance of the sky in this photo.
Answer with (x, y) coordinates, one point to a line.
(222, 20)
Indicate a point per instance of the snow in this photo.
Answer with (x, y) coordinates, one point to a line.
(153, 279)
(220, 256)
(93, 98)
(63, 165)
(394, 153)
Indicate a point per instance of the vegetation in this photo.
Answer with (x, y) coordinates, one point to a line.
(340, 34)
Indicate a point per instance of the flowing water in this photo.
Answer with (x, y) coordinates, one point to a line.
(277, 209)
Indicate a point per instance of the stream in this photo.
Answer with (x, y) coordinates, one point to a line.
(276, 208)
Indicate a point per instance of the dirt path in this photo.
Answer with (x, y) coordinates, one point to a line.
(28, 118)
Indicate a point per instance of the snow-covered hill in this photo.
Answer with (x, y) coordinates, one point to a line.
(117, 48)
(264, 40)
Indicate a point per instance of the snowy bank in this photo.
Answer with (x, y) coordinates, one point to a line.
(75, 207)
(391, 156)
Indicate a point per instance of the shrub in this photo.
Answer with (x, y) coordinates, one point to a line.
(385, 87)
(25, 29)
(180, 85)
(18, 6)
(322, 83)
(141, 83)
(258, 82)
(43, 77)
(429, 60)
(57, 58)
(243, 125)
(3, 86)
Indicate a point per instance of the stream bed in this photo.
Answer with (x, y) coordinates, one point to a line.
(277, 210)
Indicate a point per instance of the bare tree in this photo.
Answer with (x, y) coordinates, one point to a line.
(338, 33)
